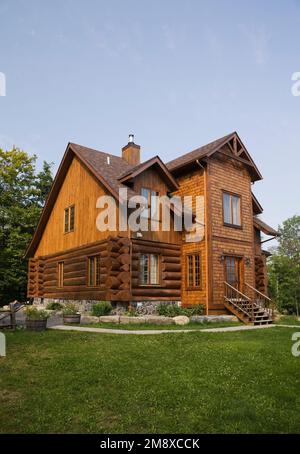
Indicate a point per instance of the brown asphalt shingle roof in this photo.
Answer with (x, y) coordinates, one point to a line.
(109, 172)
(198, 153)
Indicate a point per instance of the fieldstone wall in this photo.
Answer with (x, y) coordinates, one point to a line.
(119, 308)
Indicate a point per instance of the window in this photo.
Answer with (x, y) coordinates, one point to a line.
(149, 269)
(150, 196)
(193, 271)
(94, 271)
(69, 219)
(60, 273)
(231, 209)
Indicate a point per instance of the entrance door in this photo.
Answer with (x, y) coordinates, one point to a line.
(233, 271)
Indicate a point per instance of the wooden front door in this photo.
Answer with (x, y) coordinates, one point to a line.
(233, 272)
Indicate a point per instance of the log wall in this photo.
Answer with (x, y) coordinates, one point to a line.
(43, 274)
(119, 272)
(170, 271)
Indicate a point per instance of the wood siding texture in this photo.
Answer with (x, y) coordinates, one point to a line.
(79, 189)
(150, 179)
(226, 174)
(193, 184)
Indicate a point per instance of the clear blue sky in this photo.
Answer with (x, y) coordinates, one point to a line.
(177, 74)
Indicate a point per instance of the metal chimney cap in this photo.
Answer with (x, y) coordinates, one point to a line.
(131, 138)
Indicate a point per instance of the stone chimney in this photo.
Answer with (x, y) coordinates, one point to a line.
(131, 152)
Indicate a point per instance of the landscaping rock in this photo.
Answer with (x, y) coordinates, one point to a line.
(109, 319)
(124, 320)
(181, 320)
(213, 318)
(158, 320)
(86, 319)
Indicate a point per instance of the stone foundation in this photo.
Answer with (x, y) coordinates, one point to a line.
(119, 307)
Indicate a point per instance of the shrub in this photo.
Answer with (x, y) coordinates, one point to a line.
(33, 313)
(54, 306)
(70, 309)
(169, 310)
(102, 308)
(198, 309)
(172, 310)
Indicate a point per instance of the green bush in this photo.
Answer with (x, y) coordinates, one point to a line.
(70, 309)
(54, 306)
(198, 309)
(33, 313)
(102, 308)
(172, 310)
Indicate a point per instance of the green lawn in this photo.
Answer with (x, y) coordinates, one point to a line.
(288, 320)
(179, 383)
(142, 326)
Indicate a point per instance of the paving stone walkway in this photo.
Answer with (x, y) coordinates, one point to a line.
(159, 331)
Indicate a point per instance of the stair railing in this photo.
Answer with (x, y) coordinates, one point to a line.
(263, 301)
(238, 299)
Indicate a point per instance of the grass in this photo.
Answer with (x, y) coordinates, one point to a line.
(67, 382)
(288, 320)
(143, 326)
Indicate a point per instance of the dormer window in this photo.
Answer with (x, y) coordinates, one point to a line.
(150, 196)
(69, 220)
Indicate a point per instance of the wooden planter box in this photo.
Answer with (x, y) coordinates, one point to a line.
(70, 319)
(36, 325)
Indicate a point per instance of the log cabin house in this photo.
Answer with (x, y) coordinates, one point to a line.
(70, 259)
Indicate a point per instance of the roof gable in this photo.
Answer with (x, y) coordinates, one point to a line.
(236, 150)
(160, 168)
(104, 173)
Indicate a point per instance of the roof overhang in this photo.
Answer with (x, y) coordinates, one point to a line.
(265, 228)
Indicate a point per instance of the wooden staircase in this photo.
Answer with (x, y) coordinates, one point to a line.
(251, 307)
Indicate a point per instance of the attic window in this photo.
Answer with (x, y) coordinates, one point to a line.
(69, 219)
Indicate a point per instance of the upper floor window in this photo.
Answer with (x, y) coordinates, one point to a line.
(69, 219)
(193, 271)
(232, 209)
(94, 271)
(149, 269)
(60, 273)
(151, 197)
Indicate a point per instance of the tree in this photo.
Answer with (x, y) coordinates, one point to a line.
(22, 195)
(284, 267)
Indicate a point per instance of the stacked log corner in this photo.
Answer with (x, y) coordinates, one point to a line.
(36, 277)
(118, 267)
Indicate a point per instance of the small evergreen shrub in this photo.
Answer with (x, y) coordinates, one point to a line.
(54, 306)
(102, 308)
